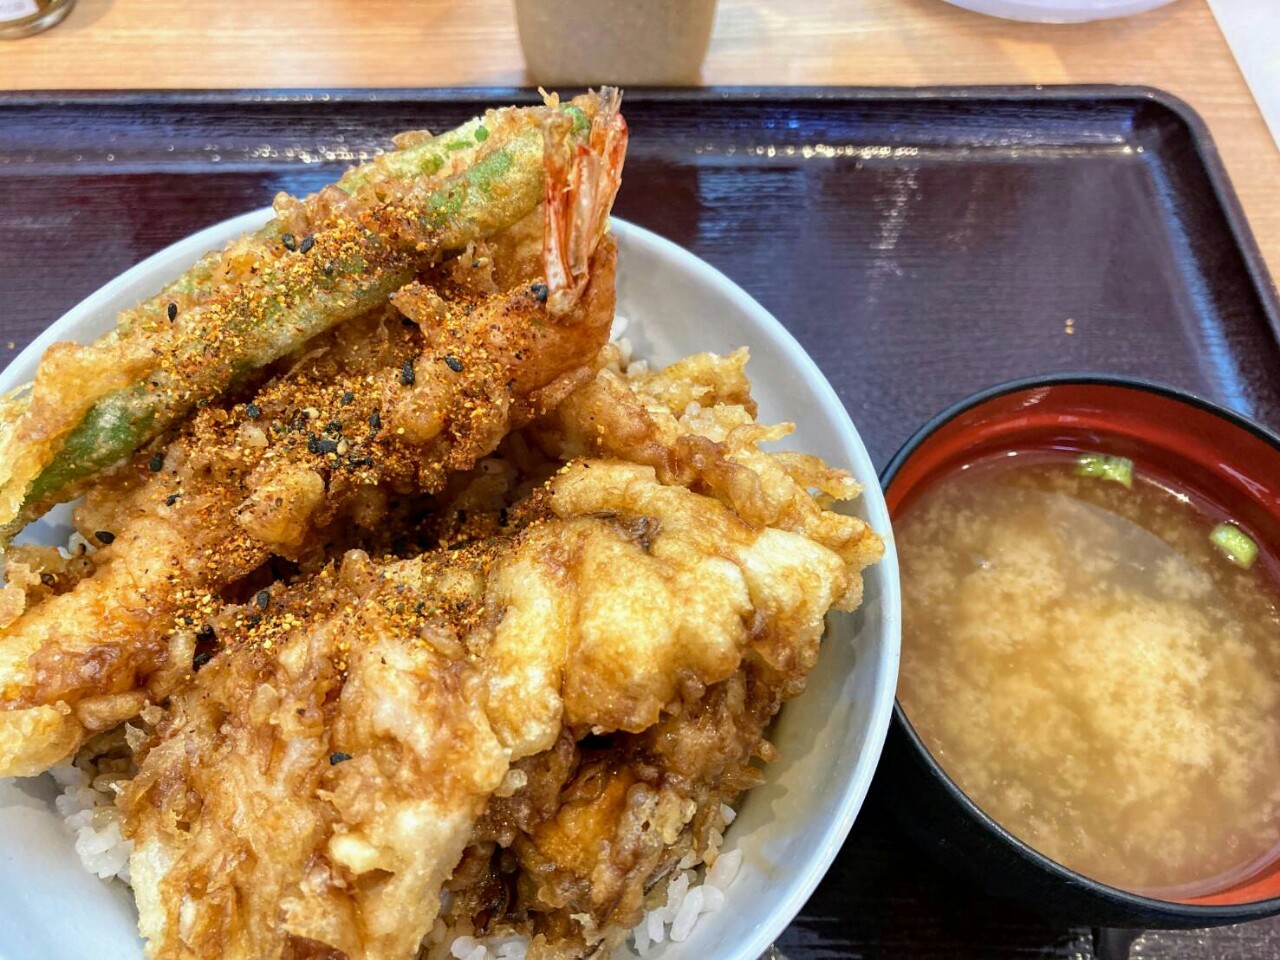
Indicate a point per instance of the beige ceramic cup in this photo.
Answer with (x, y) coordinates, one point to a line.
(634, 42)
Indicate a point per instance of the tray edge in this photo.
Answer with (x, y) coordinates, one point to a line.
(1263, 282)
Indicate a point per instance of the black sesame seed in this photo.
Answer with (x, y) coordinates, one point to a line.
(338, 757)
(156, 463)
(200, 659)
(171, 499)
(307, 244)
(252, 411)
(173, 310)
(290, 241)
(205, 634)
(317, 445)
(48, 579)
(539, 291)
(375, 420)
(407, 376)
(347, 398)
(453, 363)
(333, 426)
(263, 599)
(254, 620)
(105, 536)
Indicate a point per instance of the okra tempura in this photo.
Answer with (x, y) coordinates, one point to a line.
(321, 261)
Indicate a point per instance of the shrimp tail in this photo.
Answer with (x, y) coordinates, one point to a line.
(582, 180)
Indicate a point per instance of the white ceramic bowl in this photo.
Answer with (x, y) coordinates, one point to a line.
(789, 829)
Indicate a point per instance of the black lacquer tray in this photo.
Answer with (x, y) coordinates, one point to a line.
(921, 244)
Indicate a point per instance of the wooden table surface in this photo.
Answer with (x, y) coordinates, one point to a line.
(358, 43)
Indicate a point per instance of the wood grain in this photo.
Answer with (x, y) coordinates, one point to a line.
(355, 43)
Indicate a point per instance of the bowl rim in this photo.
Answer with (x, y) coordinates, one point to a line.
(1218, 913)
(794, 890)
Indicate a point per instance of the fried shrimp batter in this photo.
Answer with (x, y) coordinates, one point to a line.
(606, 604)
(364, 415)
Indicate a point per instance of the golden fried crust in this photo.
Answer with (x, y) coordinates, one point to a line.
(699, 432)
(374, 731)
(317, 784)
(618, 601)
(374, 407)
(649, 594)
(595, 828)
(34, 739)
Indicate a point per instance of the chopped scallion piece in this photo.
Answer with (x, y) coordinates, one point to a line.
(1238, 547)
(1118, 469)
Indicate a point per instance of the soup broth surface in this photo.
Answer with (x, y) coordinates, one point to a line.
(1093, 673)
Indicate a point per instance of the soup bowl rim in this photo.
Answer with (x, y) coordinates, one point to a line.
(1211, 914)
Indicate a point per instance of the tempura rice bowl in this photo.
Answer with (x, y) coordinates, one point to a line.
(786, 832)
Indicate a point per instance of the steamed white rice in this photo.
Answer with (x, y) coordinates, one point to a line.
(625, 347)
(87, 807)
(690, 894)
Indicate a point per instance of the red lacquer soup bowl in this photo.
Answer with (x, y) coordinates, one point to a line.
(1228, 464)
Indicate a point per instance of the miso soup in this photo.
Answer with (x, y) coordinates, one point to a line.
(1098, 668)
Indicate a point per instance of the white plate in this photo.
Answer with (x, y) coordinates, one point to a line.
(1059, 11)
(789, 829)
